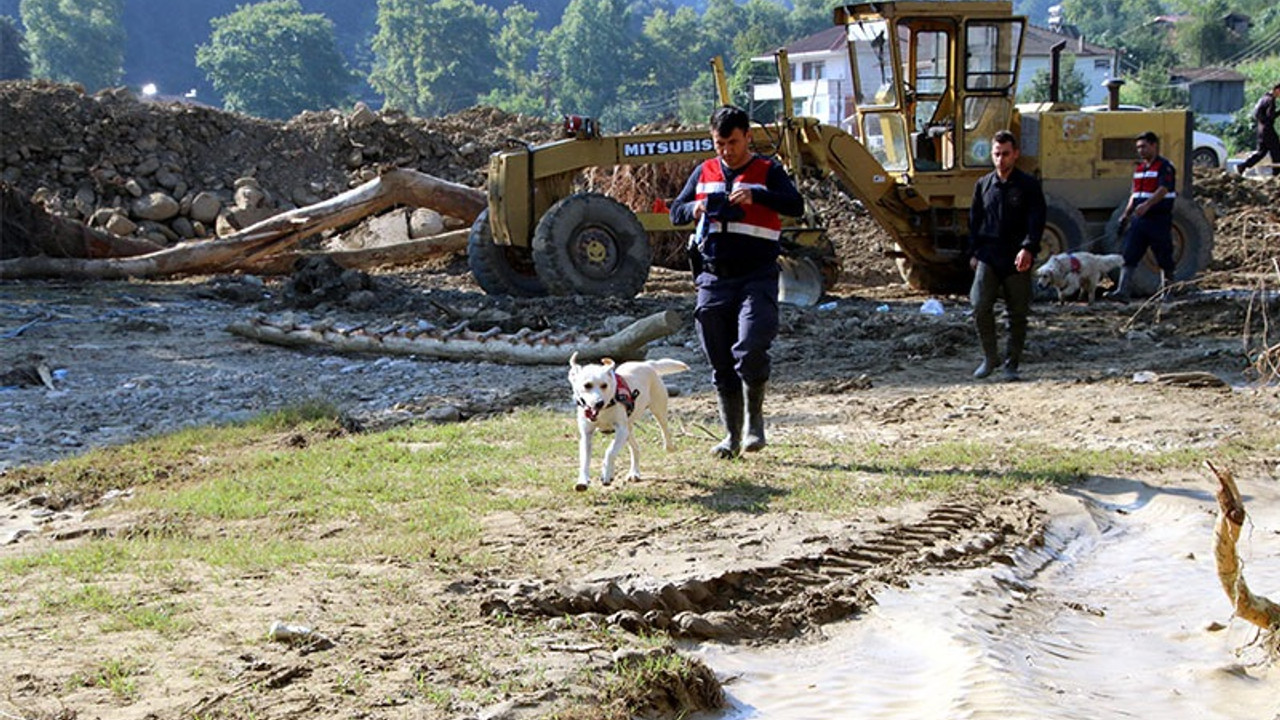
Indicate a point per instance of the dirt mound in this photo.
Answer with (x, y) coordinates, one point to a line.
(166, 172)
(1247, 228)
(173, 168)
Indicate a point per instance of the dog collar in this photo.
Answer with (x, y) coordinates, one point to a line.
(1075, 263)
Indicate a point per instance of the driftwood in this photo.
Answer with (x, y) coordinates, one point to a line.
(1254, 608)
(524, 347)
(253, 248)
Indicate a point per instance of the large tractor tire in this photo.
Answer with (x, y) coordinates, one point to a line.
(1065, 229)
(954, 278)
(501, 269)
(591, 244)
(1192, 247)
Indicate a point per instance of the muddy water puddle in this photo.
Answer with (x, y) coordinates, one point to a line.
(1119, 615)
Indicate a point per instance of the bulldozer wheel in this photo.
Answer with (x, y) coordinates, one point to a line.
(501, 269)
(1192, 246)
(939, 278)
(591, 244)
(1065, 229)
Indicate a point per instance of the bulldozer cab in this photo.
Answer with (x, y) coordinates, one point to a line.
(932, 81)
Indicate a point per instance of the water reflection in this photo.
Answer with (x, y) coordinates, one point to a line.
(1111, 619)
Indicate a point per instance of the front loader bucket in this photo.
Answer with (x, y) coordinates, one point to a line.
(799, 281)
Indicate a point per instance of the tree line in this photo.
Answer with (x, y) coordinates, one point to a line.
(622, 61)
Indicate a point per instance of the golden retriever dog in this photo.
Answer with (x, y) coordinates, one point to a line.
(1071, 273)
(610, 398)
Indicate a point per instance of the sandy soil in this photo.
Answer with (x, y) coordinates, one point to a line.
(123, 360)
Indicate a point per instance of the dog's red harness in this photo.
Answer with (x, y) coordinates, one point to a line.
(1075, 263)
(622, 394)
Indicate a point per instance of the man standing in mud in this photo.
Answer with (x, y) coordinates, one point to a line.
(1149, 215)
(736, 199)
(1264, 121)
(1006, 220)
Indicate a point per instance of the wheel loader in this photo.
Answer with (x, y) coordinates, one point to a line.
(932, 82)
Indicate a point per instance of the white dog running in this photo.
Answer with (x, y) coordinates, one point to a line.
(610, 398)
(1082, 272)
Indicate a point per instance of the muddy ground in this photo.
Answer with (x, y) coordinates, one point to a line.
(89, 364)
(98, 363)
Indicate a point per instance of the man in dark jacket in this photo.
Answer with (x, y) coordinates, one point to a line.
(1006, 220)
(736, 199)
(1264, 120)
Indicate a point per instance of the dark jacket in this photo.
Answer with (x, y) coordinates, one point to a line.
(1005, 217)
(1264, 113)
(742, 253)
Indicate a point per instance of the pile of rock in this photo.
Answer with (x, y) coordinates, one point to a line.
(173, 171)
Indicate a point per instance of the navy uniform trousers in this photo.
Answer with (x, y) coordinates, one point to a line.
(737, 320)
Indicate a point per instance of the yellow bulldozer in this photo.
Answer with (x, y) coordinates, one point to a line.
(932, 82)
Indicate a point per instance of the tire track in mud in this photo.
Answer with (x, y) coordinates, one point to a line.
(794, 595)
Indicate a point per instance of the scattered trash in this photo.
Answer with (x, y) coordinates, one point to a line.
(299, 635)
(285, 632)
(932, 306)
(883, 307)
(827, 306)
(1143, 377)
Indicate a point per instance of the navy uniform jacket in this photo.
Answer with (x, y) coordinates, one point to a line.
(743, 252)
(1005, 217)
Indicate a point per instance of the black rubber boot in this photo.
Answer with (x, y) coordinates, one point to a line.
(731, 415)
(1121, 290)
(1017, 340)
(755, 418)
(990, 352)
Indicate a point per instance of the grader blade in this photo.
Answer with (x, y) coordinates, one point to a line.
(799, 281)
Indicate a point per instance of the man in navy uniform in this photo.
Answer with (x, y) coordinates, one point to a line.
(1149, 214)
(736, 199)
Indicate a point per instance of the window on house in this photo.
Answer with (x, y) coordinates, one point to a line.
(812, 71)
(1101, 64)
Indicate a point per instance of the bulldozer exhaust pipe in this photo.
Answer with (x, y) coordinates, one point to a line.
(1055, 70)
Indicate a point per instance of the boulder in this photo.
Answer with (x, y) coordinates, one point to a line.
(155, 206)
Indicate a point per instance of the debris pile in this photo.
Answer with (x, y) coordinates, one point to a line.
(173, 171)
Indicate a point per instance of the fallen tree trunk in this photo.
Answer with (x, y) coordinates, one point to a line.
(1254, 608)
(459, 343)
(250, 248)
(29, 230)
(400, 253)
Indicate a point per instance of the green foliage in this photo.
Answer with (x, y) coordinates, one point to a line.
(79, 42)
(1203, 39)
(434, 56)
(518, 89)
(272, 60)
(1151, 87)
(1261, 76)
(1072, 87)
(588, 55)
(15, 62)
(809, 16)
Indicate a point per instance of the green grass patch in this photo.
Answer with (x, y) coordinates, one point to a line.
(292, 488)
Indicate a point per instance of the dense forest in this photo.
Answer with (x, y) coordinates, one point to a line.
(623, 61)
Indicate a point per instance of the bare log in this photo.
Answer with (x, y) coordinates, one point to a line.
(250, 247)
(1254, 608)
(29, 230)
(514, 349)
(365, 258)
